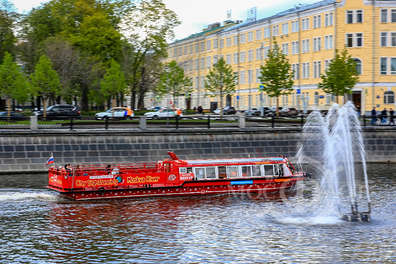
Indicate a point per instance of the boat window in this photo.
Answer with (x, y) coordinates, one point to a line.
(246, 171)
(279, 170)
(269, 170)
(182, 170)
(256, 170)
(211, 173)
(200, 173)
(232, 171)
(189, 170)
(222, 172)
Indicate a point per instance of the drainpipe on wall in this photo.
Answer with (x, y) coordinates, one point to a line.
(299, 57)
(373, 59)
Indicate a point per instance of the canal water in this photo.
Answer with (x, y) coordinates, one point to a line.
(39, 227)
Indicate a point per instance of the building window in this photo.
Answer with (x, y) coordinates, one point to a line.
(236, 58)
(242, 38)
(208, 44)
(349, 18)
(389, 97)
(258, 74)
(393, 15)
(267, 32)
(250, 36)
(295, 26)
(305, 70)
(358, 66)
(359, 39)
(327, 64)
(317, 44)
(242, 77)
(228, 58)
(275, 30)
(359, 16)
(258, 54)
(393, 39)
(285, 48)
(258, 34)
(316, 98)
(295, 47)
(296, 71)
(243, 56)
(305, 23)
(305, 46)
(354, 40)
(384, 66)
(328, 19)
(221, 43)
(329, 42)
(285, 29)
(235, 40)
(393, 66)
(384, 39)
(317, 21)
(384, 15)
(215, 43)
(250, 55)
(317, 69)
(228, 42)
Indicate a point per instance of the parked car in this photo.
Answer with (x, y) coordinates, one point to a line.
(13, 116)
(60, 111)
(162, 113)
(289, 112)
(253, 112)
(115, 113)
(228, 110)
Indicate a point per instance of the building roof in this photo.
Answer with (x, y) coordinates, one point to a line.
(227, 28)
(297, 8)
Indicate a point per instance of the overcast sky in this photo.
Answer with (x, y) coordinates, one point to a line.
(195, 15)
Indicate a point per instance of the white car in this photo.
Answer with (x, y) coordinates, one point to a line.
(115, 113)
(162, 113)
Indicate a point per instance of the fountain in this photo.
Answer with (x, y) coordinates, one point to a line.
(332, 147)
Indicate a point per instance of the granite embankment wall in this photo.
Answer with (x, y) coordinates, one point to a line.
(29, 151)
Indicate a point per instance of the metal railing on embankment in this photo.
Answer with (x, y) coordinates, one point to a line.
(179, 122)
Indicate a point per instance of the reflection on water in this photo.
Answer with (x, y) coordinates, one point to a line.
(40, 227)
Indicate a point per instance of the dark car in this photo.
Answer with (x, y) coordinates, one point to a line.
(13, 116)
(290, 112)
(60, 111)
(228, 110)
(253, 112)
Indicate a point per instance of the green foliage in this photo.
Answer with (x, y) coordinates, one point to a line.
(13, 83)
(7, 37)
(45, 80)
(276, 75)
(113, 82)
(221, 80)
(341, 75)
(173, 81)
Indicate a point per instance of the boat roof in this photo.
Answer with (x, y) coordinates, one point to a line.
(240, 160)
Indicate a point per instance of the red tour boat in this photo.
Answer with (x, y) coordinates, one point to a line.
(175, 177)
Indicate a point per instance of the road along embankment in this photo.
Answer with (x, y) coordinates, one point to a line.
(26, 151)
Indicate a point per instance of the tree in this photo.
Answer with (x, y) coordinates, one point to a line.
(113, 83)
(276, 75)
(173, 81)
(45, 81)
(221, 81)
(13, 83)
(341, 75)
(146, 27)
(7, 19)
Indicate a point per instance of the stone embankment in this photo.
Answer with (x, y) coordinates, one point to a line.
(28, 151)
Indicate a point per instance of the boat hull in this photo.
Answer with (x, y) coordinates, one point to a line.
(258, 186)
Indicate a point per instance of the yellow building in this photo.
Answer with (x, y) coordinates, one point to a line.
(309, 35)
